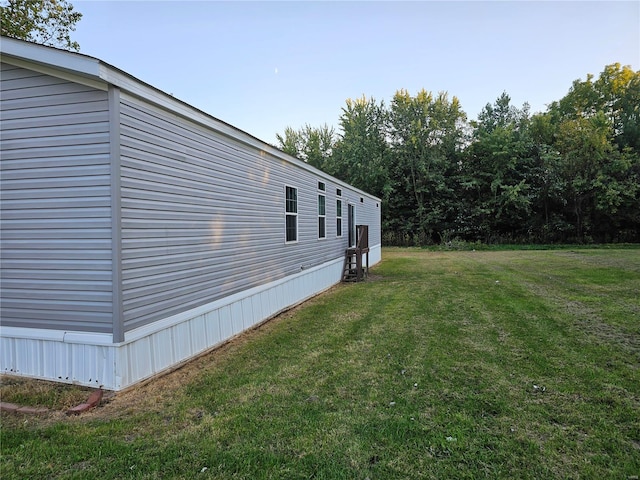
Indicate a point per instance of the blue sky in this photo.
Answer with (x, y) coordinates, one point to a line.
(263, 66)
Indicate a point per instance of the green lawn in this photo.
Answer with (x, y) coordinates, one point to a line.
(511, 364)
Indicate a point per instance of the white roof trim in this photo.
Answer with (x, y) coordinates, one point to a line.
(97, 70)
(79, 64)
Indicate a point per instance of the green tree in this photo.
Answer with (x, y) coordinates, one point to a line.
(427, 134)
(48, 22)
(548, 221)
(602, 187)
(312, 145)
(497, 172)
(290, 142)
(597, 135)
(615, 93)
(360, 154)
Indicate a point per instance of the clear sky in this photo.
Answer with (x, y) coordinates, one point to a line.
(263, 66)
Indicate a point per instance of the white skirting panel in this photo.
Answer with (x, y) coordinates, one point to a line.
(93, 360)
(84, 359)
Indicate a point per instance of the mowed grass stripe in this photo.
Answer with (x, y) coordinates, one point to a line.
(515, 364)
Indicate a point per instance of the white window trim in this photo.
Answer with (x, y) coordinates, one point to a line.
(288, 214)
(322, 216)
(339, 234)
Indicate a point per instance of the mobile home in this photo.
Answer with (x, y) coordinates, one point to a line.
(138, 231)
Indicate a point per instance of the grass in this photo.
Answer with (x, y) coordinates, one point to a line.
(40, 393)
(510, 364)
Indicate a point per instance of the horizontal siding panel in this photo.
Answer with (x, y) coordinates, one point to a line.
(14, 287)
(48, 311)
(62, 140)
(70, 162)
(57, 319)
(60, 277)
(161, 233)
(57, 151)
(166, 214)
(11, 72)
(38, 183)
(158, 273)
(42, 89)
(48, 243)
(56, 204)
(79, 127)
(150, 242)
(49, 297)
(156, 171)
(203, 215)
(54, 213)
(35, 103)
(98, 104)
(52, 254)
(74, 120)
(57, 234)
(55, 265)
(50, 304)
(156, 188)
(74, 191)
(197, 279)
(24, 82)
(63, 172)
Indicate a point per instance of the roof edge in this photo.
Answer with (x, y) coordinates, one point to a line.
(50, 56)
(98, 70)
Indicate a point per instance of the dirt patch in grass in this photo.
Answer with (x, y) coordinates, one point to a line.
(587, 319)
(41, 393)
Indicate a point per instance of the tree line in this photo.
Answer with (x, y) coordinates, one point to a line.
(570, 174)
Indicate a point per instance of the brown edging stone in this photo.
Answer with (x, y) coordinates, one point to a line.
(9, 407)
(93, 401)
(13, 408)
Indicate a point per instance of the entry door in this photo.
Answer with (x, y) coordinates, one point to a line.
(352, 224)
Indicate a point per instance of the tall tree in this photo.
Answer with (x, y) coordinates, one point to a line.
(360, 155)
(615, 93)
(426, 133)
(48, 22)
(312, 145)
(597, 136)
(496, 172)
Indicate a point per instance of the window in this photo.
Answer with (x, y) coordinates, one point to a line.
(351, 219)
(338, 192)
(322, 211)
(338, 218)
(291, 214)
(321, 186)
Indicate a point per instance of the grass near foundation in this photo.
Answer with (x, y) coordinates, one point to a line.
(512, 364)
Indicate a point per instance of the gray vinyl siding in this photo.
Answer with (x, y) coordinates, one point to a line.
(55, 203)
(203, 215)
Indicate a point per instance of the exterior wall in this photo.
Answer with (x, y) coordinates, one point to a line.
(55, 267)
(203, 215)
(138, 232)
(93, 360)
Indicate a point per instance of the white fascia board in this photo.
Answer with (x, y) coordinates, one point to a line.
(34, 52)
(51, 60)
